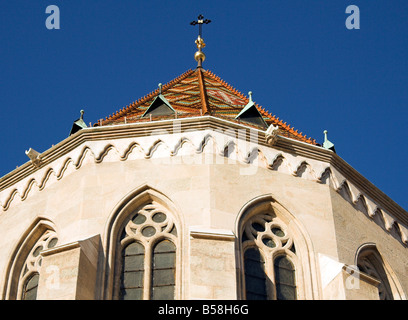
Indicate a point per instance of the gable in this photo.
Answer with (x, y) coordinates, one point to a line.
(159, 107)
(252, 115)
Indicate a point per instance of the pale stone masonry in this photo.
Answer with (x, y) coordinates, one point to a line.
(211, 182)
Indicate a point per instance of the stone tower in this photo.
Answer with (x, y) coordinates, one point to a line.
(195, 191)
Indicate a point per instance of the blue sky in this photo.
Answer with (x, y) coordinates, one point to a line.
(296, 56)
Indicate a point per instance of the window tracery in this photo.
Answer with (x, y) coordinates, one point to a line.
(148, 260)
(269, 251)
(30, 273)
(370, 262)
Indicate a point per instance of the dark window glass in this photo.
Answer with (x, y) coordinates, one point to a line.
(148, 231)
(52, 243)
(284, 279)
(163, 271)
(174, 231)
(139, 218)
(255, 278)
(269, 242)
(37, 251)
(278, 231)
(30, 287)
(132, 272)
(258, 227)
(159, 217)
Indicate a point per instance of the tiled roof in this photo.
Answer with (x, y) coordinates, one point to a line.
(199, 92)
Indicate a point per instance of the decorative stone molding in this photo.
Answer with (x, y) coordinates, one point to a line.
(213, 234)
(34, 156)
(195, 136)
(271, 135)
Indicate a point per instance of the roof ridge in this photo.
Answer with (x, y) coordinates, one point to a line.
(203, 92)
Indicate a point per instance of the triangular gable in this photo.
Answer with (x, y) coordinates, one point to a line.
(78, 124)
(328, 144)
(159, 107)
(251, 114)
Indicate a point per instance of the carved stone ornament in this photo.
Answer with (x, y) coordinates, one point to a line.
(271, 134)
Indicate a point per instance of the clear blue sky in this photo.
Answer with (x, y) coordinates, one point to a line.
(297, 56)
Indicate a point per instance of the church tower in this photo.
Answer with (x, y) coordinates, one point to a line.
(195, 191)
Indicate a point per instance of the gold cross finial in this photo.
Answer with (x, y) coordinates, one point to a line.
(199, 56)
(200, 21)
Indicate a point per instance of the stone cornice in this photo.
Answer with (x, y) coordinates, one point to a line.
(299, 159)
(350, 174)
(117, 132)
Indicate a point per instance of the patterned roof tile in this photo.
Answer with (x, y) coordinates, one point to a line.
(200, 92)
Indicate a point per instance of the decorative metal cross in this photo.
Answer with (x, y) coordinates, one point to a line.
(200, 22)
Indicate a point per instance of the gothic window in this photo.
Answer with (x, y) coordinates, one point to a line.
(370, 262)
(163, 273)
(148, 259)
(133, 271)
(285, 278)
(30, 287)
(30, 274)
(269, 271)
(255, 278)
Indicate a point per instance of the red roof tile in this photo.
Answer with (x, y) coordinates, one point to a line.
(200, 92)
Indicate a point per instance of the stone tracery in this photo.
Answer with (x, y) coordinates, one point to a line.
(148, 263)
(268, 250)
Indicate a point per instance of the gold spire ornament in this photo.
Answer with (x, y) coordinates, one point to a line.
(199, 56)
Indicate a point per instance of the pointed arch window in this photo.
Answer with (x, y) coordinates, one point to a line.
(255, 277)
(23, 270)
(30, 287)
(30, 274)
(284, 278)
(148, 255)
(370, 262)
(163, 270)
(269, 252)
(132, 272)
